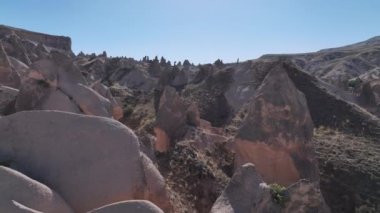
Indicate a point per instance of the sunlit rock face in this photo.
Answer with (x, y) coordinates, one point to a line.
(99, 157)
(276, 134)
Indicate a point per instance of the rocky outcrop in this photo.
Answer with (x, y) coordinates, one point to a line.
(173, 117)
(138, 79)
(95, 67)
(59, 42)
(335, 112)
(180, 80)
(111, 164)
(276, 133)
(132, 206)
(242, 193)
(248, 193)
(117, 111)
(8, 76)
(19, 191)
(370, 96)
(210, 97)
(304, 196)
(56, 84)
(15, 47)
(339, 65)
(247, 77)
(7, 99)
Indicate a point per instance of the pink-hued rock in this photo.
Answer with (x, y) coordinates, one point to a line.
(18, 190)
(162, 143)
(276, 134)
(90, 161)
(173, 117)
(131, 206)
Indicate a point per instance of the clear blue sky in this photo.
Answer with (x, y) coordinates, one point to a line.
(200, 30)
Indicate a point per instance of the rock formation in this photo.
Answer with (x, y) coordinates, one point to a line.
(58, 42)
(370, 96)
(8, 76)
(248, 193)
(276, 133)
(210, 97)
(173, 117)
(131, 206)
(192, 128)
(7, 98)
(77, 165)
(18, 191)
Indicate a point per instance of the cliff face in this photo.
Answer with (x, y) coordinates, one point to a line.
(59, 42)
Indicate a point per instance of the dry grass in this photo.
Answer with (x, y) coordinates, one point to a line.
(350, 170)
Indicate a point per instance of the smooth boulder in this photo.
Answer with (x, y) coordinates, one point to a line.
(20, 193)
(90, 161)
(132, 206)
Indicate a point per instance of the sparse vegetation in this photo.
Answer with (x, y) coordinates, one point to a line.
(279, 194)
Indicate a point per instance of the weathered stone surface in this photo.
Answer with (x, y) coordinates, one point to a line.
(52, 85)
(18, 66)
(57, 100)
(180, 80)
(132, 206)
(17, 188)
(99, 157)
(247, 77)
(7, 98)
(117, 111)
(14, 47)
(276, 133)
(335, 112)
(210, 97)
(33, 91)
(243, 192)
(96, 67)
(305, 196)
(8, 76)
(173, 117)
(248, 193)
(138, 79)
(370, 96)
(89, 101)
(59, 42)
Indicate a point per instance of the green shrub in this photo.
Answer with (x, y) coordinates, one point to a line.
(279, 194)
